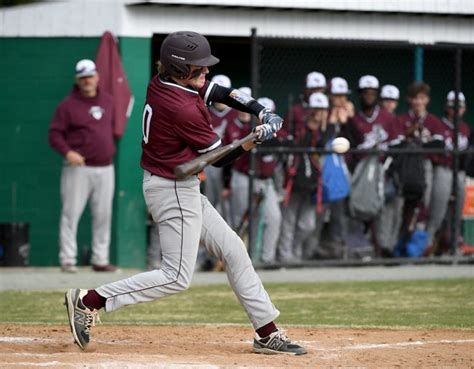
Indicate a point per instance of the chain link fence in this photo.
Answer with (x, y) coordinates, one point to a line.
(280, 65)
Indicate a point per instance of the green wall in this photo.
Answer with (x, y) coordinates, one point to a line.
(35, 75)
(129, 233)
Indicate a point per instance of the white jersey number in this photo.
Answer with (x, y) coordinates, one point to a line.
(147, 113)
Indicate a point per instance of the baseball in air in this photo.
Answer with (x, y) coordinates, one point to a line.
(340, 145)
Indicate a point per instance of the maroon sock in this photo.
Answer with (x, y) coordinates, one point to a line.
(266, 330)
(93, 300)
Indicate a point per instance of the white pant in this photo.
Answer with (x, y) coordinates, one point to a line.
(440, 195)
(266, 217)
(299, 222)
(186, 218)
(78, 185)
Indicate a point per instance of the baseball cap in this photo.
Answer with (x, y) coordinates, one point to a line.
(315, 80)
(450, 99)
(222, 80)
(246, 90)
(368, 81)
(267, 103)
(318, 100)
(390, 92)
(339, 86)
(85, 68)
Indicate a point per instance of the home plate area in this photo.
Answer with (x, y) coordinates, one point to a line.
(219, 346)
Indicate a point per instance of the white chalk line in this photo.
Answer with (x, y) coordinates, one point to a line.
(113, 365)
(10, 339)
(49, 363)
(313, 344)
(371, 346)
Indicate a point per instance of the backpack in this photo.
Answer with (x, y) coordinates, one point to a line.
(307, 173)
(335, 177)
(408, 171)
(414, 247)
(367, 189)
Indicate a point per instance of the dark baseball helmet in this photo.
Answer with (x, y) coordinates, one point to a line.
(180, 49)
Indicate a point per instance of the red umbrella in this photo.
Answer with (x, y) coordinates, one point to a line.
(114, 81)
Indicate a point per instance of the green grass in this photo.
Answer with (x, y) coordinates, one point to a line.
(415, 304)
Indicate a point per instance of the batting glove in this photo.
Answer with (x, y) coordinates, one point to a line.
(264, 132)
(275, 121)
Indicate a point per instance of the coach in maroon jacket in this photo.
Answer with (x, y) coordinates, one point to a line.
(82, 132)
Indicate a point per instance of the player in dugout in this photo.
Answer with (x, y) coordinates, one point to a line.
(176, 129)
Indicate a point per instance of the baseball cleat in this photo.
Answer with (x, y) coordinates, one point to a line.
(81, 318)
(277, 343)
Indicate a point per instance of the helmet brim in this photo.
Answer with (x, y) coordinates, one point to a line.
(205, 62)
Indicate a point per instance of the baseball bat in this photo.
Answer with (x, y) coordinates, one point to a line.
(195, 165)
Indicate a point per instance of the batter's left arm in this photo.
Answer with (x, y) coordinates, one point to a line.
(212, 92)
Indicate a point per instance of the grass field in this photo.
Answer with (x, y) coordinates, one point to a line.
(398, 304)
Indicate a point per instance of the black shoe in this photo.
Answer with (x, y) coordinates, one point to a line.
(104, 268)
(81, 318)
(277, 343)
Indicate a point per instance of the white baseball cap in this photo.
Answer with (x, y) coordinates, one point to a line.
(246, 90)
(368, 81)
(318, 100)
(450, 98)
(85, 68)
(222, 80)
(339, 86)
(315, 80)
(267, 103)
(390, 92)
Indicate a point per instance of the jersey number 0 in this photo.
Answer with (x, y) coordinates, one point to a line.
(147, 113)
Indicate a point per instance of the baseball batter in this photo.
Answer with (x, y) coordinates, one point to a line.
(176, 129)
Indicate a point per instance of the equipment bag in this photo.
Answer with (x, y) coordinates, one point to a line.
(367, 189)
(335, 175)
(409, 173)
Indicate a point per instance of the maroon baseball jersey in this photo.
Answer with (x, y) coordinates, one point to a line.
(430, 128)
(429, 123)
(446, 130)
(265, 164)
(85, 125)
(234, 131)
(297, 115)
(220, 119)
(176, 127)
(381, 128)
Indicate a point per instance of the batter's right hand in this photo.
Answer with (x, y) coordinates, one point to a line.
(264, 132)
(75, 159)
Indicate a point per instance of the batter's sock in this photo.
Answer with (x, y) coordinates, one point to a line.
(266, 330)
(93, 300)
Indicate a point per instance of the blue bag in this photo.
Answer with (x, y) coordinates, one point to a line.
(414, 247)
(335, 178)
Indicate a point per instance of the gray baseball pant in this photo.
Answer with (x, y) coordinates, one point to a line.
(388, 223)
(270, 206)
(78, 185)
(213, 185)
(440, 195)
(299, 221)
(186, 218)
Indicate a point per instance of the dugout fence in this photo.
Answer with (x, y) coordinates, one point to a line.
(279, 66)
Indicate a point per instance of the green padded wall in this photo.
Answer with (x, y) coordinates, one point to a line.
(129, 231)
(36, 74)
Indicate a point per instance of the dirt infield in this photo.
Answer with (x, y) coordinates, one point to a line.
(33, 346)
